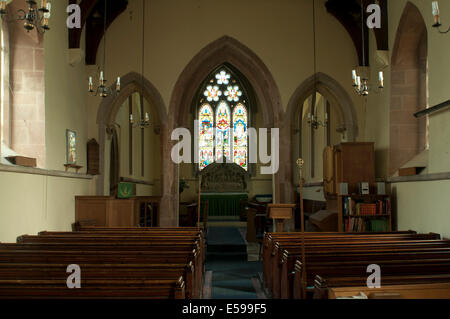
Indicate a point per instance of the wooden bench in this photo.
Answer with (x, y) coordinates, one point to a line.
(285, 257)
(95, 272)
(270, 239)
(157, 242)
(418, 291)
(120, 263)
(97, 289)
(272, 260)
(392, 263)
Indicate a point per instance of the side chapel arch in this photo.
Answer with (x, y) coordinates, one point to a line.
(106, 115)
(332, 91)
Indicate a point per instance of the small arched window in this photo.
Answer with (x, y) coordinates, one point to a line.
(223, 120)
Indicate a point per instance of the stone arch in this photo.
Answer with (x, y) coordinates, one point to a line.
(333, 91)
(408, 88)
(107, 111)
(224, 50)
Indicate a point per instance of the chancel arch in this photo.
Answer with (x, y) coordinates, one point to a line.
(267, 100)
(139, 150)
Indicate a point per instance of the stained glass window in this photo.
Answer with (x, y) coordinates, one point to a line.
(222, 131)
(206, 140)
(240, 135)
(224, 114)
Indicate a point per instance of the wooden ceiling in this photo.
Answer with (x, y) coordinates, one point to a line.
(347, 12)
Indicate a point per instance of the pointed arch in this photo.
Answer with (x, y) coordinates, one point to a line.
(334, 92)
(107, 111)
(408, 135)
(226, 50)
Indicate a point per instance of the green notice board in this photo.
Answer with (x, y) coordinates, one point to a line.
(223, 204)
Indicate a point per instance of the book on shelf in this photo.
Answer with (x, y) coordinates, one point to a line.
(352, 225)
(366, 213)
(358, 207)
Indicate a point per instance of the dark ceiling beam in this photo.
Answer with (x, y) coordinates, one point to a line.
(92, 14)
(348, 13)
(94, 26)
(382, 34)
(86, 7)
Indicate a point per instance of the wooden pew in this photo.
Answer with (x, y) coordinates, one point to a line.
(271, 238)
(157, 241)
(417, 291)
(396, 268)
(103, 271)
(285, 256)
(157, 233)
(97, 289)
(272, 253)
(169, 261)
(106, 254)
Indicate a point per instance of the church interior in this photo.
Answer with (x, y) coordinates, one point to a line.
(178, 149)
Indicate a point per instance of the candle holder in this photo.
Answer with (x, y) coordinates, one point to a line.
(437, 21)
(361, 82)
(144, 122)
(102, 90)
(315, 123)
(35, 18)
(363, 87)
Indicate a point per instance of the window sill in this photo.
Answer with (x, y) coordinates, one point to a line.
(43, 172)
(419, 178)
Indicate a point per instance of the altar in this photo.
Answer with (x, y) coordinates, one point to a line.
(223, 186)
(224, 204)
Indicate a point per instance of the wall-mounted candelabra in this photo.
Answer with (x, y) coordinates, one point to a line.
(35, 18)
(314, 121)
(437, 21)
(143, 122)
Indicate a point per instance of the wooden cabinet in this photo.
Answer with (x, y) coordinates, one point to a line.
(350, 163)
(107, 211)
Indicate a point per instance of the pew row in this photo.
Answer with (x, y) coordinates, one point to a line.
(418, 291)
(126, 263)
(338, 257)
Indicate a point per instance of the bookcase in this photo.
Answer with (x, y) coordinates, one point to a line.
(364, 213)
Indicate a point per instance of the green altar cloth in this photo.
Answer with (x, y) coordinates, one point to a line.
(223, 204)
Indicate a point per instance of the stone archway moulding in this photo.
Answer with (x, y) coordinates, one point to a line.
(333, 91)
(224, 50)
(131, 83)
